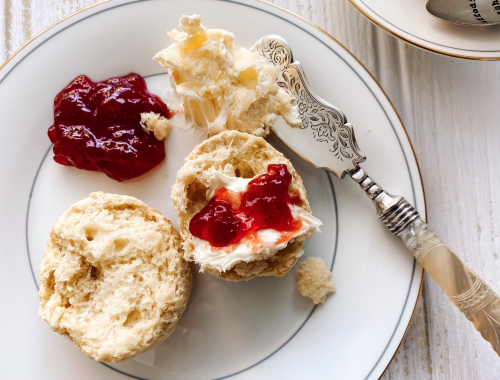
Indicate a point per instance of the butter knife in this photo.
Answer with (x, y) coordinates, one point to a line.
(326, 140)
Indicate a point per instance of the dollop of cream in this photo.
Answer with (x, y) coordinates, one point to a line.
(222, 87)
(236, 184)
(263, 244)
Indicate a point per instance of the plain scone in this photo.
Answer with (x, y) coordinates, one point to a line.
(113, 277)
(314, 280)
(243, 155)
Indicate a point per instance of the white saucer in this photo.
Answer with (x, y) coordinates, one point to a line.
(260, 329)
(409, 20)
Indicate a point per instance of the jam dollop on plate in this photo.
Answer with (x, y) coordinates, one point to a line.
(229, 216)
(97, 126)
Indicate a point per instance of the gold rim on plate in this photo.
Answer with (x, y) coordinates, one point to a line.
(343, 47)
(416, 44)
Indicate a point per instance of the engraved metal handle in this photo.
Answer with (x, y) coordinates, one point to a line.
(472, 296)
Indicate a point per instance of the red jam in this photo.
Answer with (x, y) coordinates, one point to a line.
(228, 217)
(97, 126)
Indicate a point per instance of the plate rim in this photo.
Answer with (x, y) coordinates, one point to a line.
(359, 7)
(32, 39)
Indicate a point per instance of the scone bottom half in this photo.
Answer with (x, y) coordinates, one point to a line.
(234, 154)
(113, 278)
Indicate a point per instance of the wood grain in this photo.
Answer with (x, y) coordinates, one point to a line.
(451, 110)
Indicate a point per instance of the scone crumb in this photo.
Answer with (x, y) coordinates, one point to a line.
(154, 122)
(314, 280)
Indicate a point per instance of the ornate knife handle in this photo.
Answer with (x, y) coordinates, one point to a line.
(473, 297)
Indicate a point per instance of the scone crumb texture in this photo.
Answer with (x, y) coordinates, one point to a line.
(113, 278)
(314, 280)
(154, 122)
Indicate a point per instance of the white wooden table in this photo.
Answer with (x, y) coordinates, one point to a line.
(451, 110)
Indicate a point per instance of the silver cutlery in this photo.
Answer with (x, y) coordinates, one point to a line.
(326, 140)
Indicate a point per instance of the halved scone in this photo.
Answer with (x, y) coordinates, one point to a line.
(235, 154)
(113, 278)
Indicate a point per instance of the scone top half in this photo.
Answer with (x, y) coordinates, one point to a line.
(234, 154)
(113, 277)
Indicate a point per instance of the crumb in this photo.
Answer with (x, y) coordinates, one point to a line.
(159, 125)
(314, 280)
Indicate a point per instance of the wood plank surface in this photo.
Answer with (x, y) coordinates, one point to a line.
(451, 110)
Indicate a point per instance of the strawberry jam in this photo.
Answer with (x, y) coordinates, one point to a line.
(97, 126)
(229, 217)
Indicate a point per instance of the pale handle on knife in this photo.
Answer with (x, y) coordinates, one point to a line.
(472, 296)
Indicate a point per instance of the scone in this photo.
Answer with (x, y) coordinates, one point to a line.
(234, 154)
(113, 278)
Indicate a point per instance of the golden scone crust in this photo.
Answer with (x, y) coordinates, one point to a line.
(242, 155)
(113, 278)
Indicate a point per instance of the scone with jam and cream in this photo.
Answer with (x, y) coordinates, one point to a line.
(242, 207)
(220, 88)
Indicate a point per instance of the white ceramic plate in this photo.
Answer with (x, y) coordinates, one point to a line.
(409, 20)
(258, 329)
